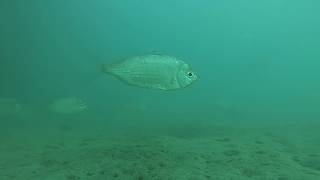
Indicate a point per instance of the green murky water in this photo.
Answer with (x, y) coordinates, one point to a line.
(253, 114)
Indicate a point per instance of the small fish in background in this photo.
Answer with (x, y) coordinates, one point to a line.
(153, 71)
(69, 105)
(9, 106)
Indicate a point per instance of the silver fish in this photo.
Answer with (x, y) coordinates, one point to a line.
(153, 71)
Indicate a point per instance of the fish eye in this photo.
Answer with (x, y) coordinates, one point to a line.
(190, 74)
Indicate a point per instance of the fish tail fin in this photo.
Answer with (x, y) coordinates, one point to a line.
(109, 68)
(105, 68)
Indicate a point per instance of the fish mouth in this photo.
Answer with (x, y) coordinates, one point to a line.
(195, 77)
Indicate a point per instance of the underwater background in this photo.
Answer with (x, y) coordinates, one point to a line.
(253, 113)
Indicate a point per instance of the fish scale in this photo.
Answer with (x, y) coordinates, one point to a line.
(153, 71)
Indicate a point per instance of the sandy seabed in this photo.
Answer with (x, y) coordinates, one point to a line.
(233, 154)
